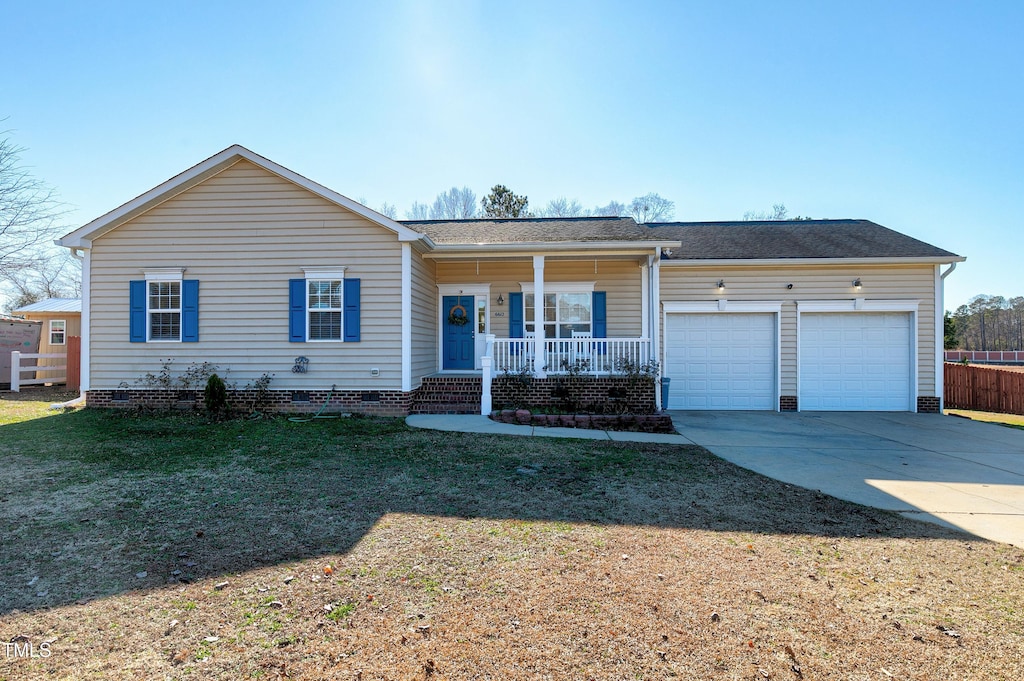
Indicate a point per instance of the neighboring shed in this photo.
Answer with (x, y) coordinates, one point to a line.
(61, 318)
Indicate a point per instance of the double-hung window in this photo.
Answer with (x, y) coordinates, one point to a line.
(323, 306)
(324, 309)
(164, 307)
(58, 327)
(565, 314)
(571, 310)
(163, 310)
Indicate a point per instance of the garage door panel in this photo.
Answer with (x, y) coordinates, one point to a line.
(721, 361)
(855, 361)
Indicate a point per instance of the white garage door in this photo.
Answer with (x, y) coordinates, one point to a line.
(855, 361)
(720, 361)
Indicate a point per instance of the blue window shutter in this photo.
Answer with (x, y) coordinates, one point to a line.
(297, 310)
(190, 311)
(600, 311)
(600, 316)
(137, 311)
(351, 310)
(516, 328)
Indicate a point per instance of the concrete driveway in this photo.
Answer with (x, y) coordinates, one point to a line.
(938, 468)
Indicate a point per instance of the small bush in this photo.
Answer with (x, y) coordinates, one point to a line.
(215, 396)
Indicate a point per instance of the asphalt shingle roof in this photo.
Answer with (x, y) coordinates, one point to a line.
(786, 239)
(533, 230)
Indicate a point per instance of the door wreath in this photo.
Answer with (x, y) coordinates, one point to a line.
(457, 319)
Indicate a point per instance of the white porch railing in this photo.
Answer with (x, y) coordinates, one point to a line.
(594, 356)
(17, 370)
(588, 355)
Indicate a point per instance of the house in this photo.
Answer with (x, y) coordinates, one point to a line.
(248, 265)
(60, 318)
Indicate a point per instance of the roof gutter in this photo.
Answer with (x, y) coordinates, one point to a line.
(539, 247)
(776, 262)
(952, 266)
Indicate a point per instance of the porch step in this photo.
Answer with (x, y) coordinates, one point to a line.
(447, 395)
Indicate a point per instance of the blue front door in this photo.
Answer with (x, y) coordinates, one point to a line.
(459, 339)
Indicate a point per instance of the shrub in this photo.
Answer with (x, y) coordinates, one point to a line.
(215, 396)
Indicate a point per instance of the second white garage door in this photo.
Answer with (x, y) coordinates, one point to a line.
(858, 361)
(720, 360)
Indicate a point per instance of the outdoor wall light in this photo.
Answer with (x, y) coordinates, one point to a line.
(856, 283)
(721, 284)
(501, 301)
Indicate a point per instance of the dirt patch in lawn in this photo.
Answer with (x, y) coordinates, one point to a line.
(168, 547)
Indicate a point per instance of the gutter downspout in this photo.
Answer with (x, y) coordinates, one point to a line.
(940, 333)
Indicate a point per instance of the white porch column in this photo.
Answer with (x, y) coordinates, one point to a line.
(656, 324)
(406, 299)
(645, 299)
(538, 316)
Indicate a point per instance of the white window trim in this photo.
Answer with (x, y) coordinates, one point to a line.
(555, 288)
(560, 286)
(63, 331)
(863, 305)
(164, 273)
(324, 274)
(161, 275)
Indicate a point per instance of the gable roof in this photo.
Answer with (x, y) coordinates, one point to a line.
(81, 237)
(53, 305)
(508, 231)
(795, 240)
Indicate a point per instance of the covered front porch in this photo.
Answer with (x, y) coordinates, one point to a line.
(549, 314)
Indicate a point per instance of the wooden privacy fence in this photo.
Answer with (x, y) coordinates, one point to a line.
(984, 389)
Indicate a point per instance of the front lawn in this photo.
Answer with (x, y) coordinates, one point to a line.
(165, 546)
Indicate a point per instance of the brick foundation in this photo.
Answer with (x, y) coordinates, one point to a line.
(588, 394)
(375, 402)
(787, 403)
(928, 405)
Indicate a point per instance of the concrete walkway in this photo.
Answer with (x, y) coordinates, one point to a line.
(943, 469)
(469, 423)
(938, 468)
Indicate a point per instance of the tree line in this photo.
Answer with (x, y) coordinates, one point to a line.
(986, 323)
(460, 203)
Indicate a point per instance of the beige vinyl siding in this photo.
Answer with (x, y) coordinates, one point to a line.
(243, 234)
(903, 282)
(73, 327)
(424, 318)
(620, 278)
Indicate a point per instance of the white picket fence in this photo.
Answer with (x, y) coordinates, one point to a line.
(17, 369)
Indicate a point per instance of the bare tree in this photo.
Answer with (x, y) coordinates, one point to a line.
(388, 209)
(29, 212)
(778, 212)
(52, 275)
(651, 208)
(564, 208)
(454, 204)
(614, 209)
(418, 211)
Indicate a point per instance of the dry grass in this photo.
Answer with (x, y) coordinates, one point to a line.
(1012, 420)
(454, 556)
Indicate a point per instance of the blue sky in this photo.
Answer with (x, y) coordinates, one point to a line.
(910, 114)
